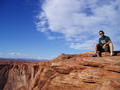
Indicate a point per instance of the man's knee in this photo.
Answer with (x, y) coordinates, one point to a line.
(96, 45)
(110, 44)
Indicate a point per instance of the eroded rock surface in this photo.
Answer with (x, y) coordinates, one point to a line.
(66, 72)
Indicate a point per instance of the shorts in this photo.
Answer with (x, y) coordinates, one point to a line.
(107, 49)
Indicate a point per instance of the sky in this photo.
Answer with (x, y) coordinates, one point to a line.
(44, 29)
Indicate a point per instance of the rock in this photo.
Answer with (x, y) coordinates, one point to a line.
(66, 72)
(103, 54)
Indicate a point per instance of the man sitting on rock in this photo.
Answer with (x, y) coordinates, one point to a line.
(105, 44)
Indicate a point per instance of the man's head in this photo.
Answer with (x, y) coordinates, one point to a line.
(101, 33)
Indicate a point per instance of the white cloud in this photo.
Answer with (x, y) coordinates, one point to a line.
(18, 55)
(80, 20)
(87, 45)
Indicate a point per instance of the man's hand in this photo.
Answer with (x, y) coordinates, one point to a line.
(104, 46)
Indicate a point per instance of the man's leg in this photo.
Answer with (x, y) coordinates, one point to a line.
(96, 48)
(111, 49)
(97, 52)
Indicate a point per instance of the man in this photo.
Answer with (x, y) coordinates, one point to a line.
(105, 44)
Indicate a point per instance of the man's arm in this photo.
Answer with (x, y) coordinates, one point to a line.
(106, 44)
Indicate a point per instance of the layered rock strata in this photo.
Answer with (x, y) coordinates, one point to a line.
(66, 72)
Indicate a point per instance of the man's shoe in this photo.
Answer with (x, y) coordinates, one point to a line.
(95, 55)
(111, 54)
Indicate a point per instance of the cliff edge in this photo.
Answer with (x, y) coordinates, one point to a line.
(66, 72)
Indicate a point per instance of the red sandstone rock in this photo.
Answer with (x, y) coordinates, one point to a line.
(66, 72)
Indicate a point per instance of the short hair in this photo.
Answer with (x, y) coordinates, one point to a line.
(101, 31)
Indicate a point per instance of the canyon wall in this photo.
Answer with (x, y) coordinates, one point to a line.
(66, 72)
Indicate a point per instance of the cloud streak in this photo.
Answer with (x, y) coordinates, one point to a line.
(19, 55)
(78, 21)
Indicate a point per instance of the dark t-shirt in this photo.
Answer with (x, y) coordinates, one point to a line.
(104, 40)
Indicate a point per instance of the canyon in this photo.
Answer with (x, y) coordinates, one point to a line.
(66, 72)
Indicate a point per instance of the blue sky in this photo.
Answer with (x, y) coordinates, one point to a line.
(42, 29)
(18, 34)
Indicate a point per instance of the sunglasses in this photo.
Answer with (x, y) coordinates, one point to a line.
(101, 34)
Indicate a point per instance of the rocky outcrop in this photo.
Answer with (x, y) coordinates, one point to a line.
(66, 72)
